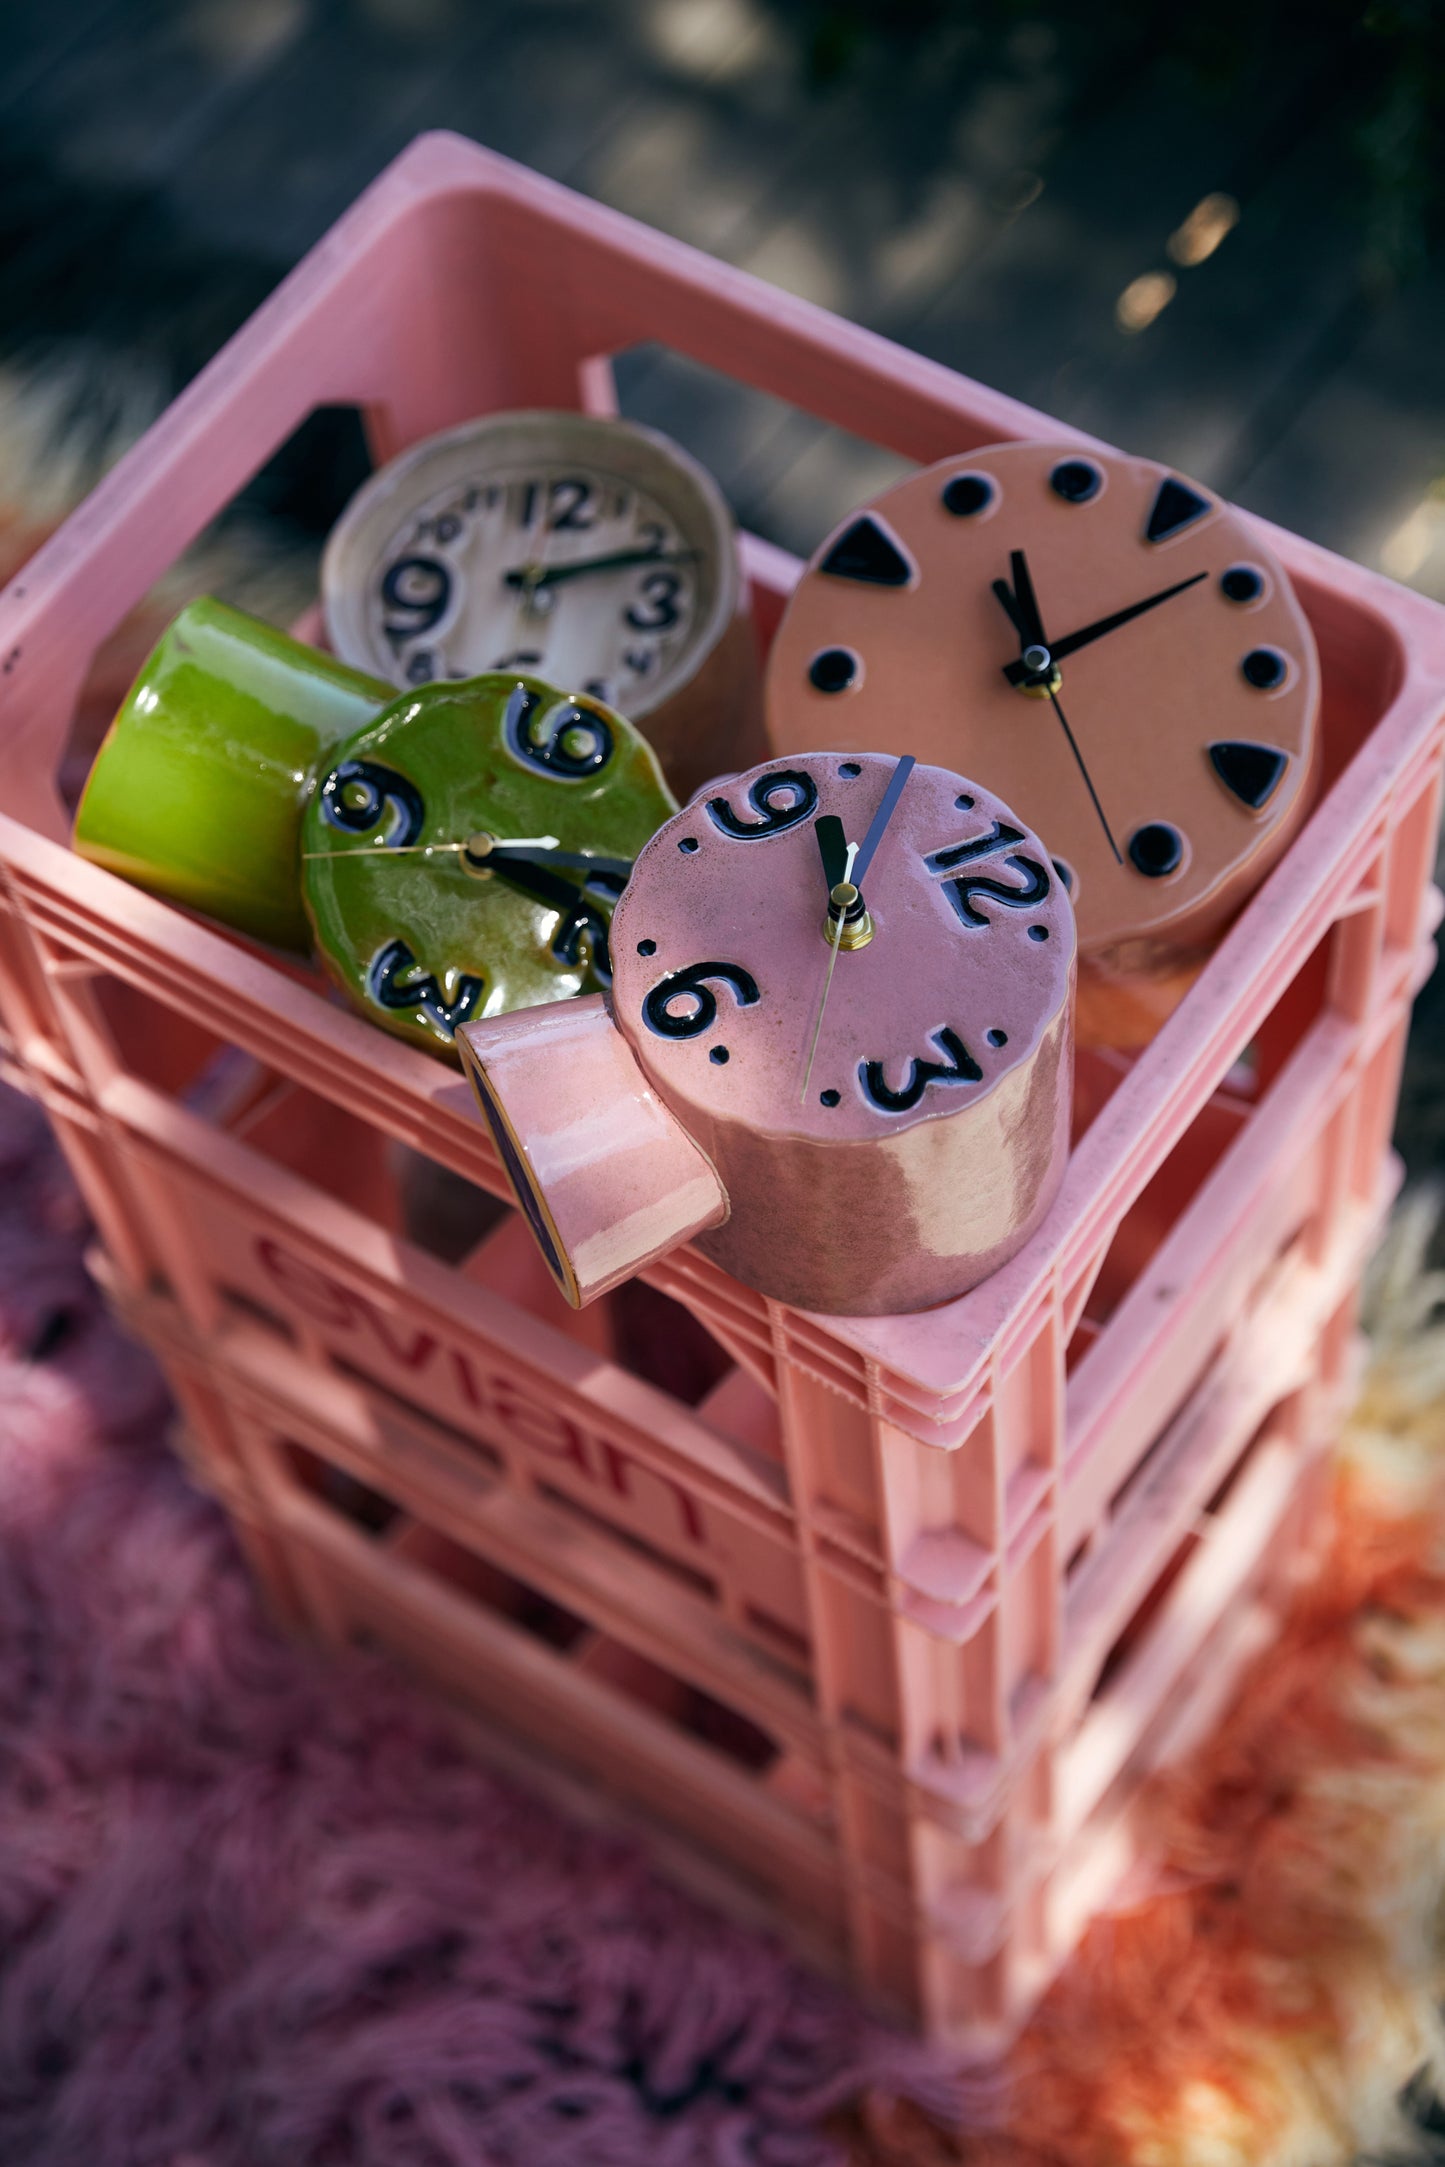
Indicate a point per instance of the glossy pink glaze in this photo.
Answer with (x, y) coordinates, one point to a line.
(613, 1180)
(849, 1209)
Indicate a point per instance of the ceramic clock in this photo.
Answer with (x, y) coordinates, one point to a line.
(1111, 647)
(590, 552)
(462, 853)
(838, 1052)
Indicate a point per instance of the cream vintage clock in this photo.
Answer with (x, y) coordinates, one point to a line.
(838, 1052)
(1112, 649)
(587, 552)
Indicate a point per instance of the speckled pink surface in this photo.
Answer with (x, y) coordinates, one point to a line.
(846, 1207)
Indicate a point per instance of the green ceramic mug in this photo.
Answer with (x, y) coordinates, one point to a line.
(198, 790)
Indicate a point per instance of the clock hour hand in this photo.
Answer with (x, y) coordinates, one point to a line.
(1060, 649)
(531, 577)
(832, 848)
(482, 850)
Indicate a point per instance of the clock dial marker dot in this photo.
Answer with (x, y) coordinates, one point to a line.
(1156, 849)
(1264, 668)
(1076, 481)
(998, 1038)
(865, 551)
(966, 494)
(965, 804)
(1241, 583)
(647, 948)
(688, 845)
(1038, 932)
(1065, 872)
(834, 670)
(1176, 507)
(850, 771)
(1249, 772)
(718, 1054)
(829, 1098)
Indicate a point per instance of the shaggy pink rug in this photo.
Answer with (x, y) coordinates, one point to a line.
(257, 1909)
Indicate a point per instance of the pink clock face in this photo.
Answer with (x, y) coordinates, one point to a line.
(720, 953)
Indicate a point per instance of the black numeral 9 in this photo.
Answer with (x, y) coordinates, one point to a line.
(415, 593)
(780, 800)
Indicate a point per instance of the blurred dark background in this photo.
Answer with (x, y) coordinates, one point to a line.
(1208, 234)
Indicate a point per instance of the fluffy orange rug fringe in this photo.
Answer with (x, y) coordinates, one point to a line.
(1271, 1997)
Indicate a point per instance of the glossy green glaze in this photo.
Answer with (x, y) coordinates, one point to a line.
(418, 942)
(197, 790)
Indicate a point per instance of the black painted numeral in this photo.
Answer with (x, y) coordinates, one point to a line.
(691, 986)
(660, 591)
(395, 982)
(571, 500)
(567, 740)
(958, 1067)
(361, 795)
(415, 594)
(580, 939)
(780, 799)
(964, 887)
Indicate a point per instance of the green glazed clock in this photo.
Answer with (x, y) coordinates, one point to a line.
(461, 854)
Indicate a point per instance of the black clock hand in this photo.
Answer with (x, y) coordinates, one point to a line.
(551, 575)
(832, 848)
(479, 850)
(1059, 650)
(1088, 779)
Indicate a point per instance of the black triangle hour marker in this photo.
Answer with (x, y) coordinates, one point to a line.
(1251, 772)
(863, 551)
(1175, 507)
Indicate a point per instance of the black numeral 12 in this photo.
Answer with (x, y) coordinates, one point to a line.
(965, 886)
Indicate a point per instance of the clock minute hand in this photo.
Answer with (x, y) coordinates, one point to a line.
(553, 574)
(1071, 642)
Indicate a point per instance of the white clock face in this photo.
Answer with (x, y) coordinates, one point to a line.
(577, 550)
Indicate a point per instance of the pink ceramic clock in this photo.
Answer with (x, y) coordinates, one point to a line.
(838, 1053)
(1109, 646)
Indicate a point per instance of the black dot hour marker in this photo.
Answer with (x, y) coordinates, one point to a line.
(1251, 772)
(647, 948)
(1176, 507)
(1241, 583)
(833, 670)
(688, 844)
(965, 804)
(865, 552)
(1076, 481)
(829, 1098)
(1038, 932)
(998, 1038)
(1065, 872)
(1264, 668)
(850, 770)
(719, 1054)
(966, 494)
(1156, 849)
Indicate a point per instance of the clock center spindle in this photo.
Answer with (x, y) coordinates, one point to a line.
(846, 907)
(1044, 678)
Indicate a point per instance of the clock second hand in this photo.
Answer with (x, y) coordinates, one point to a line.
(860, 856)
(836, 945)
(1020, 605)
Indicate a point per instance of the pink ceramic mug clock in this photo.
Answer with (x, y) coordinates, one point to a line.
(852, 1094)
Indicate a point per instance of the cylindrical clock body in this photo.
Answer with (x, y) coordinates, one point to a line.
(591, 552)
(885, 1123)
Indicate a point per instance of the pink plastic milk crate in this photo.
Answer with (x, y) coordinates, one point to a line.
(877, 1622)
